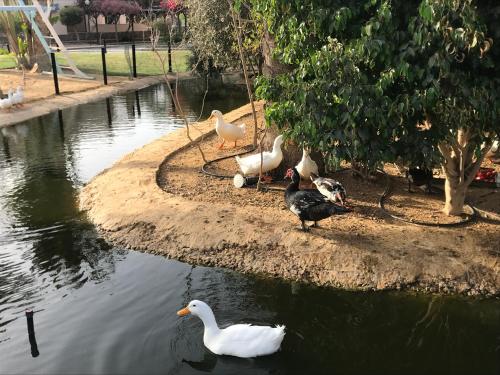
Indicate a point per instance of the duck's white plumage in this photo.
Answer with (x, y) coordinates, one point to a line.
(250, 165)
(306, 166)
(7, 102)
(239, 340)
(18, 96)
(227, 131)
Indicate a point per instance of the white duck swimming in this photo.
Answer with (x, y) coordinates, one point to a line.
(250, 165)
(239, 340)
(7, 102)
(227, 131)
(18, 96)
(306, 166)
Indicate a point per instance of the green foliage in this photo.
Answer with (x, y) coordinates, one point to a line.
(213, 38)
(71, 15)
(3, 51)
(211, 33)
(22, 51)
(365, 73)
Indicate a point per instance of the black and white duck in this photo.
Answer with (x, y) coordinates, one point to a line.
(310, 204)
(333, 190)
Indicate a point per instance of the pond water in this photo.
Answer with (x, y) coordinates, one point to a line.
(107, 310)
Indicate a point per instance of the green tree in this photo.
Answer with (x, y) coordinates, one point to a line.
(373, 80)
(71, 16)
(213, 37)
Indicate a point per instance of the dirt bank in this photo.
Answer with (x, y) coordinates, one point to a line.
(203, 220)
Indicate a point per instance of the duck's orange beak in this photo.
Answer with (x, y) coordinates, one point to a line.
(183, 312)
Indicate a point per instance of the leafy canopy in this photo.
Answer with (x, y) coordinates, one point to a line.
(71, 15)
(366, 74)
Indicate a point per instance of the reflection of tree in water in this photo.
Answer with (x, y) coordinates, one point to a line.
(44, 220)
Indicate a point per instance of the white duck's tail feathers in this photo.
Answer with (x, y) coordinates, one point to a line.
(243, 127)
(281, 328)
(242, 166)
(279, 336)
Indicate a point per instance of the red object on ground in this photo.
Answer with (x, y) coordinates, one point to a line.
(486, 174)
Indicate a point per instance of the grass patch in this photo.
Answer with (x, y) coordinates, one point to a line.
(116, 62)
(7, 62)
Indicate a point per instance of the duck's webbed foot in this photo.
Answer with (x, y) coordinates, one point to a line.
(304, 227)
(267, 179)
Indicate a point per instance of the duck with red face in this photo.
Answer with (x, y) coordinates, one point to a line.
(310, 204)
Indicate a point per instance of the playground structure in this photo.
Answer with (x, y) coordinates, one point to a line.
(30, 11)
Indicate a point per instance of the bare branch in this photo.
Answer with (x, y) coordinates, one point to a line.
(446, 152)
(237, 26)
(175, 97)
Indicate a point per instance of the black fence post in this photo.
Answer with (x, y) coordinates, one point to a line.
(54, 72)
(104, 72)
(31, 333)
(134, 61)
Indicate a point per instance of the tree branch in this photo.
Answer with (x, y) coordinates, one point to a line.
(471, 171)
(237, 29)
(447, 166)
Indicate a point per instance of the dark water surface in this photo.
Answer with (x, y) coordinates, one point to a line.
(106, 310)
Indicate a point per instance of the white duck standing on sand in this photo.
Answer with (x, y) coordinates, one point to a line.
(250, 165)
(306, 166)
(8, 101)
(227, 131)
(239, 340)
(18, 96)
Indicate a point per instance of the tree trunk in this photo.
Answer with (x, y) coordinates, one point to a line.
(454, 197)
(459, 169)
(97, 31)
(271, 67)
(116, 31)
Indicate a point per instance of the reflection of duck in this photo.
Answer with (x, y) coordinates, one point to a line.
(9, 132)
(239, 340)
(22, 130)
(16, 133)
(250, 165)
(227, 131)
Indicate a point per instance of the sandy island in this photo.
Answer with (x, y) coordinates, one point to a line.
(154, 200)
